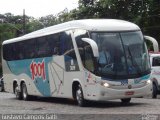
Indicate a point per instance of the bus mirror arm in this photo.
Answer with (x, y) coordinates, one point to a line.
(93, 46)
(154, 42)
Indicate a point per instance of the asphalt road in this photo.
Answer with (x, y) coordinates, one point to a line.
(138, 109)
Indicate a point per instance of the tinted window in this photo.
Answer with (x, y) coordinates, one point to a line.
(156, 61)
(33, 48)
(85, 50)
(67, 49)
(20, 49)
(53, 44)
(121, 55)
(86, 55)
(44, 49)
(30, 49)
(8, 51)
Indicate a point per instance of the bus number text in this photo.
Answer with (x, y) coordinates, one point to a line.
(38, 70)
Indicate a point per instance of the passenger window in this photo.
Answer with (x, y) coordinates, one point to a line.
(9, 52)
(30, 49)
(43, 47)
(54, 42)
(20, 50)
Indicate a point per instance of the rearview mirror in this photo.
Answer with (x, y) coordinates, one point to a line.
(93, 46)
(154, 42)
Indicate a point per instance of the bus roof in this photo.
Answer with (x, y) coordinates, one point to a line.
(109, 25)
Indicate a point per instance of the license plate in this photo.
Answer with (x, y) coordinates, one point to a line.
(129, 93)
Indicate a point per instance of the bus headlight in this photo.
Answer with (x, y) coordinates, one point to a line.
(148, 82)
(105, 84)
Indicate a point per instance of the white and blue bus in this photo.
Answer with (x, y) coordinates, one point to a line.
(92, 59)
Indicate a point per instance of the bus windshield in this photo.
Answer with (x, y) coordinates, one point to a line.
(122, 55)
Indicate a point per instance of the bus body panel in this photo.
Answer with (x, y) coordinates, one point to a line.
(54, 82)
(91, 84)
(126, 88)
(110, 94)
(54, 76)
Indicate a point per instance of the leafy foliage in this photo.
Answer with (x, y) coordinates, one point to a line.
(145, 13)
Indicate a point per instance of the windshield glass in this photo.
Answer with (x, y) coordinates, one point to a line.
(121, 55)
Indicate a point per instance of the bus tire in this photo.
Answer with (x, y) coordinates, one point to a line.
(126, 100)
(154, 93)
(1, 89)
(17, 92)
(25, 95)
(79, 96)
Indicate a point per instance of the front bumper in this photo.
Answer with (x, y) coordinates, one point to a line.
(105, 94)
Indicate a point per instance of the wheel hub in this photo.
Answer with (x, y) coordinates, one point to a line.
(24, 93)
(79, 96)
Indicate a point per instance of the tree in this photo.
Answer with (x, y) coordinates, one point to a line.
(152, 21)
(48, 20)
(145, 13)
(34, 25)
(10, 26)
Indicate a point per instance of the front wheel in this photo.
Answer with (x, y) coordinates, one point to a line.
(154, 93)
(126, 100)
(1, 89)
(79, 97)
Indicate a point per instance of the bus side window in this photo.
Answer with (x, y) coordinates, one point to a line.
(65, 43)
(20, 50)
(8, 52)
(85, 50)
(31, 51)
(86, 55)
(53, 42)
(67, 49)
(43, 47)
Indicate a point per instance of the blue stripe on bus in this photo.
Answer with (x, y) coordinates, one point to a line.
(23, 67)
